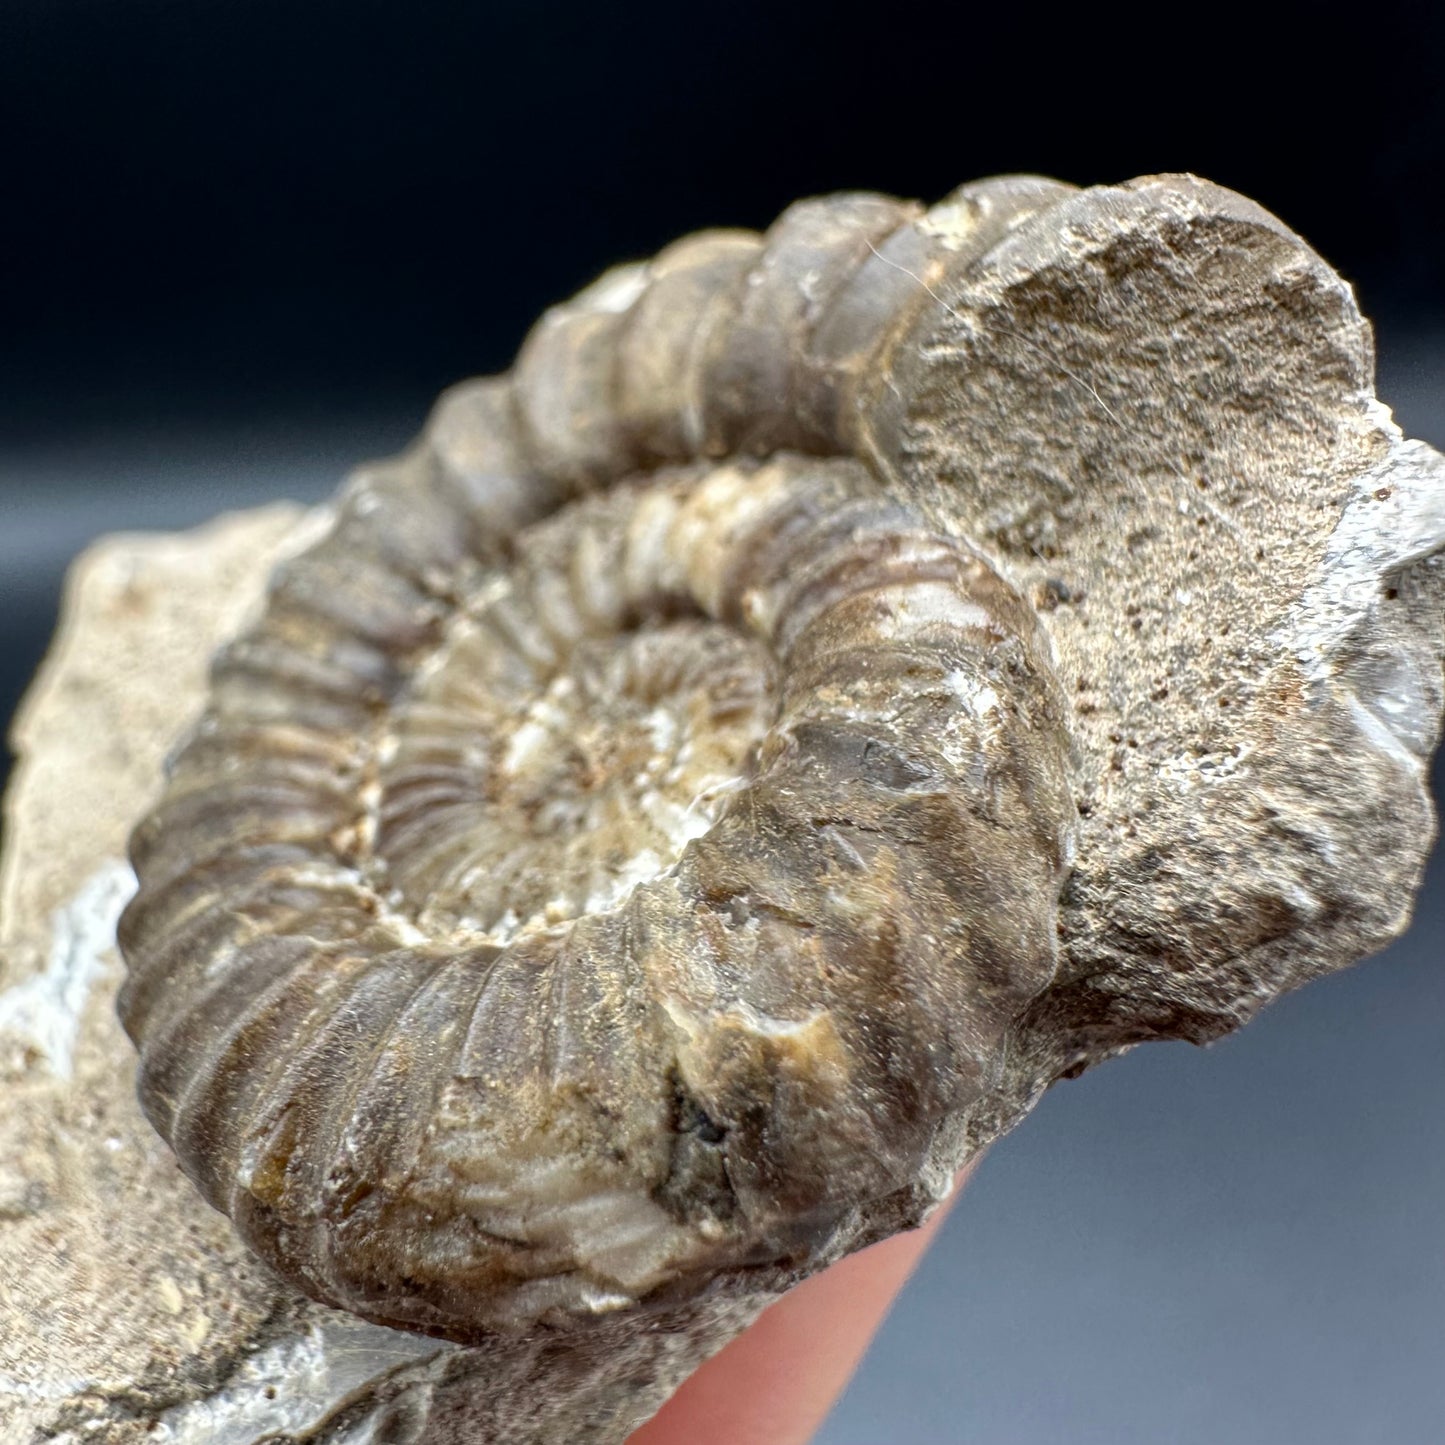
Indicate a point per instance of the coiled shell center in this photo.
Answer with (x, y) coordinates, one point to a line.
(522, 792)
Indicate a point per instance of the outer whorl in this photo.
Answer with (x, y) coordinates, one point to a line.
(614, 860)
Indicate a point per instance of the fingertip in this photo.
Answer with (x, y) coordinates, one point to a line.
(776, 1382)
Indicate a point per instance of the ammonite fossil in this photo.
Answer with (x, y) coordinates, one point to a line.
(615, 867)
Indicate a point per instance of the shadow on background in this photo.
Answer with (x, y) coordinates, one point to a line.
(245, 248)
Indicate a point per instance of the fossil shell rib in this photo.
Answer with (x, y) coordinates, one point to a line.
(621, 871)
(547, 919)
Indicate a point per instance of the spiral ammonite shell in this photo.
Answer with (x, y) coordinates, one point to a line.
(611, 864)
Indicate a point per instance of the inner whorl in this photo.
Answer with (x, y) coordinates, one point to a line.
(581, 722)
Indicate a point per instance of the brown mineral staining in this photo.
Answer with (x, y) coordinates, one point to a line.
(622, 868)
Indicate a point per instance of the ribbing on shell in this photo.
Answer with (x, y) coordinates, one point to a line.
(570, 898)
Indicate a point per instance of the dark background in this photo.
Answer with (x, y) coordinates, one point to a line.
(245, 244)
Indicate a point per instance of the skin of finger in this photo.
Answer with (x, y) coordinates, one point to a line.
(776, 1382)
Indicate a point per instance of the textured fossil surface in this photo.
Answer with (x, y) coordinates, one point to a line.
(840, 682)
(626, 933)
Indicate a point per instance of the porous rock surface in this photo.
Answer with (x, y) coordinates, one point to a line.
(1177, 457)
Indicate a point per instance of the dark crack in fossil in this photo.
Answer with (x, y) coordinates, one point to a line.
(623, 865)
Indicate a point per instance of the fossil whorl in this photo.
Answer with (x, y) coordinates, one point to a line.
(613, 862)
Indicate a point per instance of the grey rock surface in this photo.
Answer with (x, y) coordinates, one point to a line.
(1237, 555)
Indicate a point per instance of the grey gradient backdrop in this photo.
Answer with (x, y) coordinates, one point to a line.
(243, 246)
